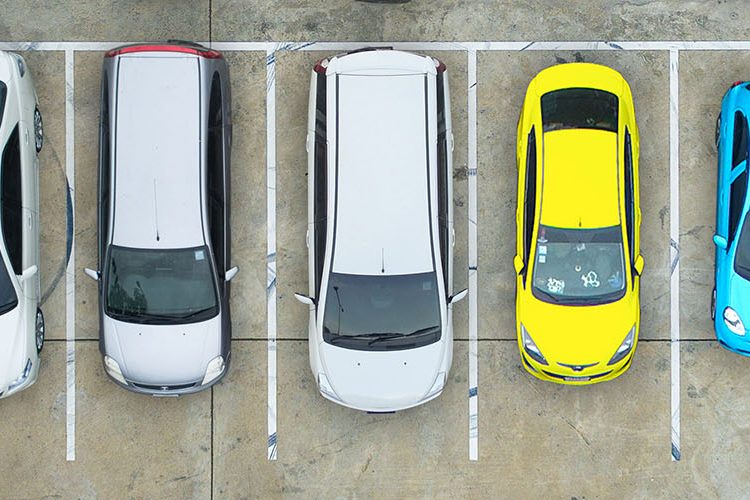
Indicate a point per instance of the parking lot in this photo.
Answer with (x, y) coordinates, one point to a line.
(75, 434)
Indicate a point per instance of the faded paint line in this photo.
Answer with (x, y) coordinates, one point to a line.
(472, 215)
(70, 288)
(674, 246)
(271, 246)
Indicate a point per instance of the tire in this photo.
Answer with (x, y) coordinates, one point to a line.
(718, 130)
(39, 330)
(38, 130)
(713, 305)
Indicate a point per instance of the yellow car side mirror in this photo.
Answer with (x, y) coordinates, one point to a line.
(638, 265)
(518, 264)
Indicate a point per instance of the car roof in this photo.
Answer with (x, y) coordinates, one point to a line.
(382, 212)
(158, 152)
(580, 186)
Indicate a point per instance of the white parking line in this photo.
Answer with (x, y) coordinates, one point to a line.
(271, 244)
(674, 246)
(70, 287)
(472, 177)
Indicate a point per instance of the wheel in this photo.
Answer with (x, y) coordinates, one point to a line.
(38, 130)
(39, 330)
(718, 129)
(713, 304)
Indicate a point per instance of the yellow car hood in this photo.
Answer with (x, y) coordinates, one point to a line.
(578, 334)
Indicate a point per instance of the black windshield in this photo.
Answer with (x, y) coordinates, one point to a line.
(8, 299)
(579, 266)
(382, 312)
(160, 286)
(742, 255)
(579, 108)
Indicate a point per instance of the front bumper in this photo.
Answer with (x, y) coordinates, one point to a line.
(561, 375)
(728, 340)
(171, 390)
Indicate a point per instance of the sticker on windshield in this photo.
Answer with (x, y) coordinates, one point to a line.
(199, 255)
(615, 281)
(542, 259)
(542, 249)
(427, 285)
(590, 280)
(555, 285)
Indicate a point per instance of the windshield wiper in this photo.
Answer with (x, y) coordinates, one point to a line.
(193, 314)
(548, 295)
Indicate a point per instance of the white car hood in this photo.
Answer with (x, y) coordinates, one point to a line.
(163, 354)
(382, 380)
(13, 342)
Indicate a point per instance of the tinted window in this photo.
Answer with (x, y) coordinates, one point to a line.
(215, 176)
(160, 286)
(442, 177)
(321, 180)
(742, 257)
(629, 197)
(12, 219)
(739, 143)
(582, 266)
(8, 299)
(579, 108)
(105, 164)
(381, 312)
(3, 93)
(529, 199)
(737, 192)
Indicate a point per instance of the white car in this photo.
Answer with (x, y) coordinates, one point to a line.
(21, 138)
(380, 229)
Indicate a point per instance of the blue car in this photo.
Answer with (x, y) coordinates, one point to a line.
(730, 303)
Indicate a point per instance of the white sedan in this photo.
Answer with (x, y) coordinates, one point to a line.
(21, 138)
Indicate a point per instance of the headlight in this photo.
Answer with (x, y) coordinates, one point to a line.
(530, 347)
(113, 369)
(325, 387)
(437, 387)
(20, 380)
(733, 321)
(213, 370)
(625, 347)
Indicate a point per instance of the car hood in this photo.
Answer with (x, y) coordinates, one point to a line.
(578, 334)
(382, 380)
(163, 354)
(13, 353)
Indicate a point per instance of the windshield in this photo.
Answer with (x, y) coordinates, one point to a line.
(8, 299)
(3, 92)
(742, 255)
(579, 266)
(579, 108)
(381, 312)
(160, 286)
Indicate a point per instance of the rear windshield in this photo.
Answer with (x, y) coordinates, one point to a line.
(579, 108)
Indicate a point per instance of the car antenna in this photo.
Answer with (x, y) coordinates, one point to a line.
(156, 213)
(382, 260)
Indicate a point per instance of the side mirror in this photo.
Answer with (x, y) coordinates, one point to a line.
(28, 273)
(305, 299)
(518, 264)
(458, 296)
(638, 265)
(94, 275)
(231, 273)
(720, 241)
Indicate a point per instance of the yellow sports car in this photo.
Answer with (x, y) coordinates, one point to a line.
(578, 261)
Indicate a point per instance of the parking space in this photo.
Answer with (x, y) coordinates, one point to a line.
(534, 436)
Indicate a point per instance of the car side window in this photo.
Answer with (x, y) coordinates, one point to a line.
(629, 196)
(442, 177)
(737, 192)
(529, 208)
(105, 166)
(739, 142)
(10, 183)
(321, 180)
(215, 173)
